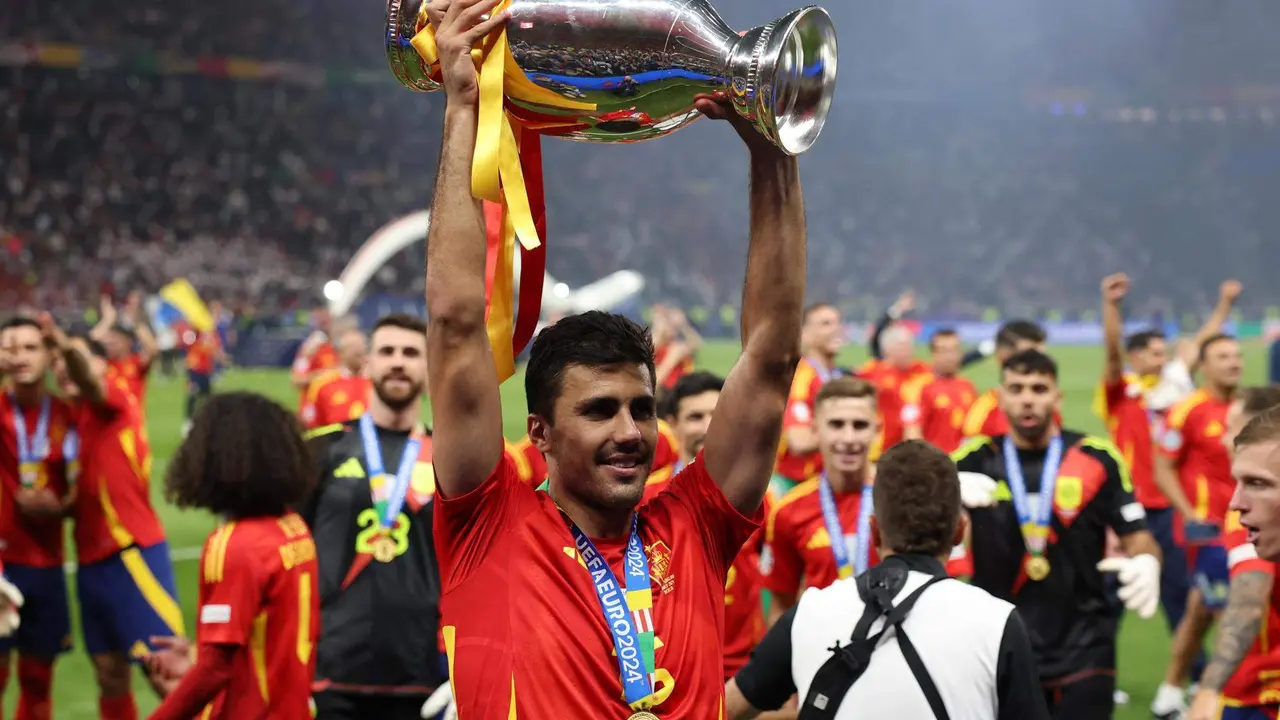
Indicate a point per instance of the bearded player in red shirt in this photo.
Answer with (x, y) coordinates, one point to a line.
(938, 414)
(533, 582)
(245, 461)
(340, 394)
(39, 455)
(125, 581)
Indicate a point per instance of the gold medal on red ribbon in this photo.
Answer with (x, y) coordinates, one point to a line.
(1037, 567)
(30, 472)
(384, 549)
(643, 715)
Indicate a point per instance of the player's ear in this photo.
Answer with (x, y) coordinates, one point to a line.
(539, 432)
(961, 527)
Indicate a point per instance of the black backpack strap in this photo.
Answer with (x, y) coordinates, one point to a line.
(832, 681)
(923, 678)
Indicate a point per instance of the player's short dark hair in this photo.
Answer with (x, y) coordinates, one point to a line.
(1257, 400)
(404, 321)
(1031, 362)
(813, 308)
(1213, 340)
(122, 330)
(941, 333)
(96, 348)
(917, 499)
(18, 321)
(1015, 331)
(1142, 340)
(691, 385)
(244, 457)
(1264, 427)
(846, 386)
(591, 339)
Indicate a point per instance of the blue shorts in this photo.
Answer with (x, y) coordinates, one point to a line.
(1248, 713)
(45, 631)
(199, 383)
(1210, 574)
(127, 599)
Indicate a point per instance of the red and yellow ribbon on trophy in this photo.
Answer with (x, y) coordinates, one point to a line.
(506, 174)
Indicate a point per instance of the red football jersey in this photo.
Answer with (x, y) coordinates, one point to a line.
(897, 390)
(797, 552)
(805, 384)
(531, 467)
(1192, 437)
(341, 399)
(31, 541)
(113, 501)
(135, 371)
(684, 367)
(1132, 426)
(941, 411)
(744, 623)
(202, 354)
(324, 358)
(259, 592)
(1256, 681)
(523, 628)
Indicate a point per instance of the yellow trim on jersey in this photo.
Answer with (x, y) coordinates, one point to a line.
(1108, 447)
(317, 384)
(119, 533)
(808, 487)
(664, 430)
(978, 412)
(660, 475)
(152, 591)
(215, 555)
(805, 373)
(1178, 415)
(523, 468)
(969, 447)
(258, 651)
(321, 431)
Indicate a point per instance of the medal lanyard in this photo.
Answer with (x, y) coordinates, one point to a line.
(629, 616)
(822, 372)
(1035, 530)
(388, 498)
(32, 449)
(830, 516)
(71, 455)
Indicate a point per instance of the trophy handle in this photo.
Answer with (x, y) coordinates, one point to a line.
(782, 77)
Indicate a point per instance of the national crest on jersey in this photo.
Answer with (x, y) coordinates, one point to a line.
(660, 566)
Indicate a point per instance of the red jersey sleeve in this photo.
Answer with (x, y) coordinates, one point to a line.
(232, 578)
(780, 562)
(1242, 556)
(723, 529)
(1115, 394)
(469, 526)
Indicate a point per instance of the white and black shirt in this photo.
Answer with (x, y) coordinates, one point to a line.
(973, 645)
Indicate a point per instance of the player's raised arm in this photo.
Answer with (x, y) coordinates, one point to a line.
(743, 438)
(1114, 288)
(463, 381)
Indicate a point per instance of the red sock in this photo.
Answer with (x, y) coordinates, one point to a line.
(35, 680)
(121, 708)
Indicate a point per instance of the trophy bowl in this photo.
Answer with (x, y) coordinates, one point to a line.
(639, 64)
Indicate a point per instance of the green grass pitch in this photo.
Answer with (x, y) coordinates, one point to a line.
(1143, 645)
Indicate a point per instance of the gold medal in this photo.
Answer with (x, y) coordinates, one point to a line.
(384, 549)
(642, 715)
(1037, 567)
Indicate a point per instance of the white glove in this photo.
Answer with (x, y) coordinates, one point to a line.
(1139, 582)
(10, 601)
(977, 490)
(441, 701)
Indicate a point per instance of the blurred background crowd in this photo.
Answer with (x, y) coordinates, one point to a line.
(991, 154)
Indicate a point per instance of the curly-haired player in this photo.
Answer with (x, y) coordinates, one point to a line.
(246, 461)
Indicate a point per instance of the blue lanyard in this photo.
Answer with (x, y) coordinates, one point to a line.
(831, 517)
(822, 372)
(636, 681)
(1035, 531)
(34, 448)
(71, 454)
(373, 457)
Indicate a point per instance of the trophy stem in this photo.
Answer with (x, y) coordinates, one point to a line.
(781, 77)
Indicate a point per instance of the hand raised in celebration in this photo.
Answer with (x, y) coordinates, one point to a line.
(1230, 290)
(1115, 287)
(462, 27)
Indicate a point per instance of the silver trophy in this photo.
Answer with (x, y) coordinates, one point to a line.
(642, 63)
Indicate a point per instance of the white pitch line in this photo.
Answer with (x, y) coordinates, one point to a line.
(183, 554)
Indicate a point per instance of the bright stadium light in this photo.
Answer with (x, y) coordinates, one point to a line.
(332, 290)
(560, 290)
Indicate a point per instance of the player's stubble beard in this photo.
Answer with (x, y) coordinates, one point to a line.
(394, 402)
(1035, 435)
